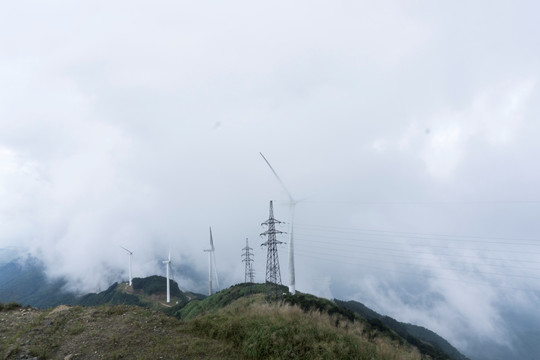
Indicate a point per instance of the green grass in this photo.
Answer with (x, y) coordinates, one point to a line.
(233, 323)
(220, 300)
(308, 302)
(261, 330)
(9, 306)
(108, 332)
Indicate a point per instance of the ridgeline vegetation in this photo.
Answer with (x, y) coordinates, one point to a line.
(241, 322)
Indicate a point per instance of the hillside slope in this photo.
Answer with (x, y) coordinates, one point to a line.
(428, 343)
(247, 328)
(105, 332)
(433, 345)
(258, 329)
(150, 293)
(411, 332)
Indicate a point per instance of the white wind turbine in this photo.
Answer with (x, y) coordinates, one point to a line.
(130, 256)
(168, 267)
(292, 204)
(212, 268)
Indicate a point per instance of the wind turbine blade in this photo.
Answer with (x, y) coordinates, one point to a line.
(211, 240)
(278, 178)
(129, 251)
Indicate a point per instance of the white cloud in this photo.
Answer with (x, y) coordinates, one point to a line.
(109, 136)
(380, 145)
(494, 116)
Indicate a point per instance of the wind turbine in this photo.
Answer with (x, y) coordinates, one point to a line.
(212, 268)
(168, 266)
(292, 204)
(130, 256)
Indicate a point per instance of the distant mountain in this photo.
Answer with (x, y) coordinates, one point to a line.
(8, 254)
(27, 284)
(416, 335)
(524, 335)
(147, 292)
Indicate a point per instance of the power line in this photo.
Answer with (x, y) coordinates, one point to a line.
(420, 265)
(428, 236)
(463, 202)
(423, 276)
(399, 254)
(421, 244)
(335, 247)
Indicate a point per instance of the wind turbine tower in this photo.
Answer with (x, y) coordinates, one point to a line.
(168, 267)
(292, 204)
(273, 274)
(130, 256)
(212, 268)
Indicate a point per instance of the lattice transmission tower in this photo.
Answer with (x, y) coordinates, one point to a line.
(273, 274)
(247, 255)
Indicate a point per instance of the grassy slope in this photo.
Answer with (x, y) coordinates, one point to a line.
(246, 328)
(261, 330)
(238, 322)
(104, 332)
(312, 303)
(217, 301)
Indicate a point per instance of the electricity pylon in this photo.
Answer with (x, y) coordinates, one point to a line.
(249, 274)
(273, 274)
(292, 205)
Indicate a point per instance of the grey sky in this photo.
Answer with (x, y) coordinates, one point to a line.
(140, 124)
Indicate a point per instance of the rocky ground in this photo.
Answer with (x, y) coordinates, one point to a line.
(105, 332)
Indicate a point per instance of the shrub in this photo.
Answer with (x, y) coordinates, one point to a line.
(10, 306)
(310, 303)
(156, 285)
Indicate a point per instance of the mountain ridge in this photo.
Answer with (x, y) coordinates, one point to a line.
(247, 327)
(405, 330)
(149, 293)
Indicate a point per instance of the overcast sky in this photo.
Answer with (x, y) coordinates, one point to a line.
(140, 124)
